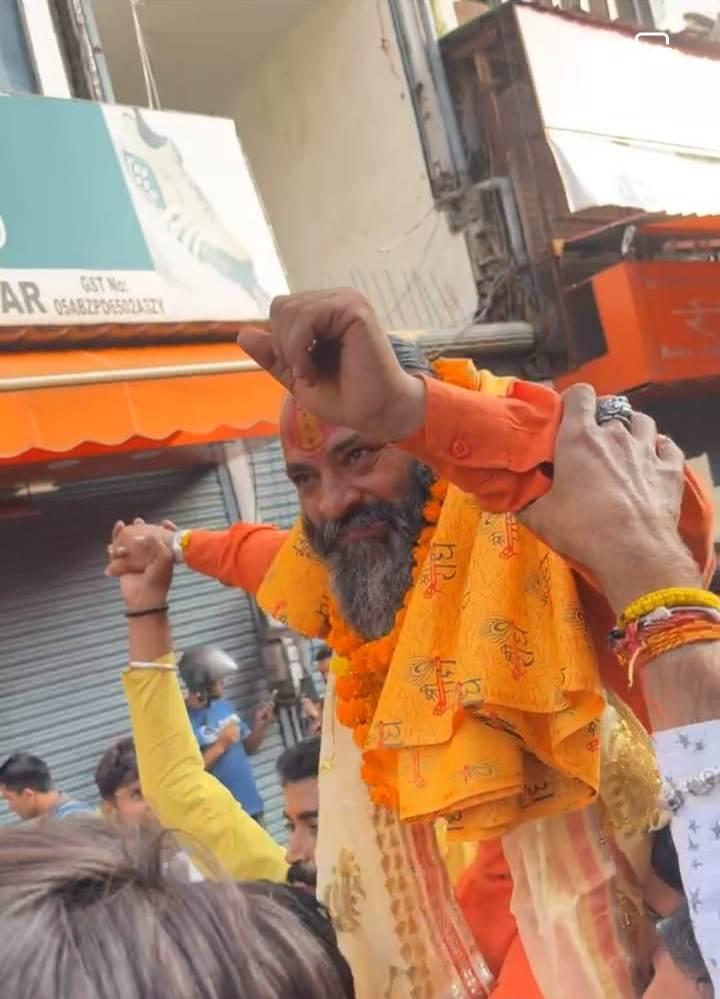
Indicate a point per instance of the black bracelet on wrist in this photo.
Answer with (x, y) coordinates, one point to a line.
(146, 613)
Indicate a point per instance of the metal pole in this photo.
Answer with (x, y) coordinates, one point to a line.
(73, 378)
(477, 339)
(437, 68)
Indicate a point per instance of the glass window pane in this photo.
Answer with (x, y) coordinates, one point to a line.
(16, 70)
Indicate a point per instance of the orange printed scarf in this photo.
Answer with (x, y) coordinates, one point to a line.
(489, 711)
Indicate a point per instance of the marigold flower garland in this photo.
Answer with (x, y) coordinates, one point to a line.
(358, 687)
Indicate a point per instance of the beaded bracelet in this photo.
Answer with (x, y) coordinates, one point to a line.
(662, 630)
(678, 596)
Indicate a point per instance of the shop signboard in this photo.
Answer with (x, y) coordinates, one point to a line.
(119, 223)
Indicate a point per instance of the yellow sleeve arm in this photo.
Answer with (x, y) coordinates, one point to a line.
(184, 796)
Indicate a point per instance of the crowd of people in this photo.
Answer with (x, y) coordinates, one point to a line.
(503, 800)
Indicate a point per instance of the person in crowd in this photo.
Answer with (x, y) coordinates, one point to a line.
(313, 708)
(27, 786)
(123, 802)
(183, 795)
(88, 909)
(616, 501)
(407, 480)
(225, 740)
(298, 768)
(118, 783)
(323, 657)
(678, 968)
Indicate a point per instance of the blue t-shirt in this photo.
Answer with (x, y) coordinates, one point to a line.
(68, 806)
(233, 768)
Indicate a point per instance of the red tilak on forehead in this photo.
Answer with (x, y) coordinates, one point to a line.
(300, 429)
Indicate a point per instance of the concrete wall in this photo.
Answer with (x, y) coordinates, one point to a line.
(328, 126)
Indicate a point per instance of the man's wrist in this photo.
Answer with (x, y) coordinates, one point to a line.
(180, 542)
(635, 571)
(407, 415)
(146, 604)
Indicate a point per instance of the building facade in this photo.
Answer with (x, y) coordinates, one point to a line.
(150, 421)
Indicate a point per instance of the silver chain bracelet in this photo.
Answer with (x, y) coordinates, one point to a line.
(698, 786)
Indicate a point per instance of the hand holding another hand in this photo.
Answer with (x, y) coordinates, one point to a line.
(127, 556)
(147, 586)
(614, 503)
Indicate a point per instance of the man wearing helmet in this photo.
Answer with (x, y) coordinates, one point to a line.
(225, 740)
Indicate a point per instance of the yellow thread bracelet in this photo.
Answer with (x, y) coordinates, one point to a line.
(185, 541)
(671, 597)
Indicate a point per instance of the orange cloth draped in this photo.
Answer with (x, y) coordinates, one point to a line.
(489, 713)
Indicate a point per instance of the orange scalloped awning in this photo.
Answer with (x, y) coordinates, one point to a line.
(116, 416)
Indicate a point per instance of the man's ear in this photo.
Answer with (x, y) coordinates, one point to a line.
(107, 809)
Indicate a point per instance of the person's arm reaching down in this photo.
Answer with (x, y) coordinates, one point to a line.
(184, 796)
(614, 504)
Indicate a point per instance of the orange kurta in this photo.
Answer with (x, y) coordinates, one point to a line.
(500, 449)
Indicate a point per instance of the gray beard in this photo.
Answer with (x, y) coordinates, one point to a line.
(370, 578)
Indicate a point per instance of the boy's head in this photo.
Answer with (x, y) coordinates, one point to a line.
(118, 782)
(323, 658)
(298, 768)
(26, 785)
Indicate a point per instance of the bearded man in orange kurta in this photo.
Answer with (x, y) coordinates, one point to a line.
(471, 684)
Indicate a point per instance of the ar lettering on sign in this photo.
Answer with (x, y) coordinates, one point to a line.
(21, 298)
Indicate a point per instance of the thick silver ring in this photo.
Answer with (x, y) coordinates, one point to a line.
(614, 407)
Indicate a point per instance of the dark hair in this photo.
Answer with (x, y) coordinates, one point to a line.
(300, 762)
(23, 770)
(113, 921)
(714, 584)
(679, 938)
(117, 768)
(324, 652)
(664, 860)
(315, 917)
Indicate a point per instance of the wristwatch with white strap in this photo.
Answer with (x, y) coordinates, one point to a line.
(180, 541)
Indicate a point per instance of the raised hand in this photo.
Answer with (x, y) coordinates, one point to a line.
(125, 556)
(329, 351)
(147, 589)
(264, 715)
(615, 500)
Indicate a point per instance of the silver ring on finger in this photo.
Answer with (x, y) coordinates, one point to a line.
(614, 407)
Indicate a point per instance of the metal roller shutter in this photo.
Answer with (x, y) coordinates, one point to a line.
(277, 503)
(275, 495)
(63, 631)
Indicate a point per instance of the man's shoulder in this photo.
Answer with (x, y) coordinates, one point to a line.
(69, 806)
